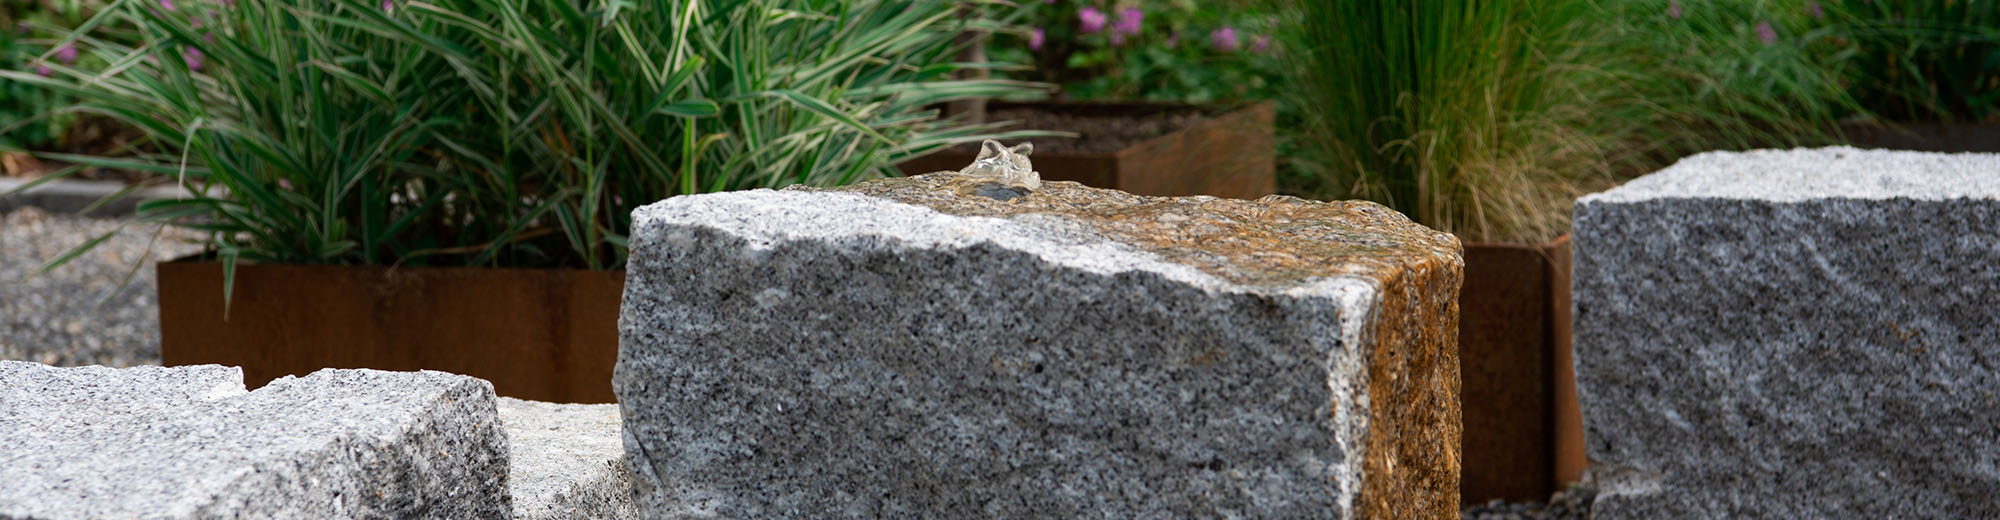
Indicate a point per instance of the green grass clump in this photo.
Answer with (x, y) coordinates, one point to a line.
(1487, 119)
(515, 133)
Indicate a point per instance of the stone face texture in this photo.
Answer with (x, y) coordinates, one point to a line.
(190, 442)
(566, 461)
(1793, 334)
(900, 349)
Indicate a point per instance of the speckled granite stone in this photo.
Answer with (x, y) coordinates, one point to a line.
(189, 442)
(566, 461)
(1793, 334)
(902, 349)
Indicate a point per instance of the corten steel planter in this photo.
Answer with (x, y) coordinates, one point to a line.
(539, 334)
(1523, 437)
(1925, 136)
(1233, 154)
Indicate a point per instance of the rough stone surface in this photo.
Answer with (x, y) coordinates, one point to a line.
(190, 442)
(566, 460)
(903, 349)
(1793, 334)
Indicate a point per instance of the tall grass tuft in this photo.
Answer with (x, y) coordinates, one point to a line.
(516, 133)
(1487, 119)
(1925, 60)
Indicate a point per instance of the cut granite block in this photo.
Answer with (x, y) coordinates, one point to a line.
(1793, 334)
(190, 442)
(566, 461)
(895, 349)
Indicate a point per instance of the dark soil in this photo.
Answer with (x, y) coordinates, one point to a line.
(1101, 130)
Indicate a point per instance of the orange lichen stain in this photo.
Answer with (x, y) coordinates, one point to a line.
(1272, 241)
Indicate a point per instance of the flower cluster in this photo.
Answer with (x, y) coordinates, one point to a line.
(1151, 48)
(1128, 23)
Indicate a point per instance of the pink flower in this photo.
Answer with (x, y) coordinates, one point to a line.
(67, 54)
(1224, 39)
(1036, 38)
(1089, 20)
(42, 69)
(1766, 33)
(388, 5)
(192, 57)
(1129, 20)
(169, 4)
(1674, 9)
(1261, 43)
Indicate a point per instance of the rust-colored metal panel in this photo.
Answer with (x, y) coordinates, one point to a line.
(540, 334)
(1504, 355)
(1569, 447)
(1231, 155)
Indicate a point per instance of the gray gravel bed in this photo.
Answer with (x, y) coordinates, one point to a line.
(78, 314)
(1568, 504)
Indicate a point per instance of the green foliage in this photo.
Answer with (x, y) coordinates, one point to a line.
(1179, 50)
(25, 44)
(1486, 119)
(514, 133)
(1923, 60)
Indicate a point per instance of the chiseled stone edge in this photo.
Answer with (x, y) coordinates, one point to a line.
(1359, 297)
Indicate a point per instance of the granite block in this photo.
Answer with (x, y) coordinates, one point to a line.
(190, 442)
(566, 461)
(902, 349)
(1808, 333)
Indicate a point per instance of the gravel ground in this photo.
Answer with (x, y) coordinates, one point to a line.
(1568, 504)
(78, 314)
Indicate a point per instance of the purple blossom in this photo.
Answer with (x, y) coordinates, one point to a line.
(1261, 43)
(1036, 38)
(1224, 39)
(1766, 33)
(192, 57)
(388, 5)
(66, 54)
(1089, 20)
(1817, 13)
(169, 4)
(1674, 9)
(1129, 20)
(42, 69)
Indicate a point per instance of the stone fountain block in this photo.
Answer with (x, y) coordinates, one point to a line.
(897, 349)
(190, 442)
(1793, 334)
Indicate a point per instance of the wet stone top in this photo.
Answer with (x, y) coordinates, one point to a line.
(1273, 241)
